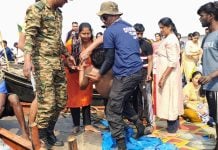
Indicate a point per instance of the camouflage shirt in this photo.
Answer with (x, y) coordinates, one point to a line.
(43, 34)
(1, 75)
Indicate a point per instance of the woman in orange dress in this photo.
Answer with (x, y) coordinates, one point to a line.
(78, 98)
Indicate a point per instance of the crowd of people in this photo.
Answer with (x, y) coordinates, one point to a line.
(141, 79)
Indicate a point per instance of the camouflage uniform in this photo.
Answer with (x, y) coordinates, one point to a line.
(43, 42)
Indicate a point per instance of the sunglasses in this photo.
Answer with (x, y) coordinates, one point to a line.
(104, 17)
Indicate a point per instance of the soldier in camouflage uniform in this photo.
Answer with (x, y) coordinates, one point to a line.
(43, 47)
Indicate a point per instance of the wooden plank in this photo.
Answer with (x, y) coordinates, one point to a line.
(14, 141)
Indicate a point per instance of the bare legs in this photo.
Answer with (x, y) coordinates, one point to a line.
(15, 104)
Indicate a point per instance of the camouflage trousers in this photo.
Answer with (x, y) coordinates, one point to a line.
(51, 94)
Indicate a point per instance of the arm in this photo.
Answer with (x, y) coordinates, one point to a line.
(108, 62)
(208, 78)
(64, 51)
(147, 49)
(83, 80)
(164, 76)
(200, 56)
(150, 65)
(171, 50)
(96, 74)
(87, 52)
(190, 51)
(33, 23)
(150, 61)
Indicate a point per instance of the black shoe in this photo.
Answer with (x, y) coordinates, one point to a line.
(121, 144)
(43, 138)
(140, 130)
(148, 129)
(52, 140)
(211, 122)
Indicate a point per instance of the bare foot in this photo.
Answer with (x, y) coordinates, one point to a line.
(91, 128)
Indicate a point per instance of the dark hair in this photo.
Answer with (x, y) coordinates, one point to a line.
(194, 74)
(99, 33)
(15, 44)
(166, 21)
(74, 22)
(86, 25)
(209, 8)
(178, 34)
(190, 34)
(196, 33)
(201, 90)
(5, 42)
(139, 27)
(157, 34)
(98, 56)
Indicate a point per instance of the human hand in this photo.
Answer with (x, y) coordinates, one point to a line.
(71, 63)
(27, 67)
(161, 83)
(204, 79)
(94, 74)
(84, 55)
(148, 78)
(201, 111)
(82, 65)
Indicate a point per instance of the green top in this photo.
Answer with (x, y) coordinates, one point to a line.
(43, 33)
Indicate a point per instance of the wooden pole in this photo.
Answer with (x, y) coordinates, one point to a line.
(72, 143)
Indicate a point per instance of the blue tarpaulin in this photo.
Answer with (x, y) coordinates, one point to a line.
(144, 142)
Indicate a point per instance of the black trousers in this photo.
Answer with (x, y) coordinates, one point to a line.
(75, 112)
(119, 103)
(212, 97)
(142, 101)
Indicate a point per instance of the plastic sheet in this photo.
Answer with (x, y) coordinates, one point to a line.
(144, 142)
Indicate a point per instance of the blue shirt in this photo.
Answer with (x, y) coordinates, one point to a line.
(9, 54)
(210, 59)
(122, 37)
(3, 88)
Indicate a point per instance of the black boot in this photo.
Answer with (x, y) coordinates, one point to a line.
(121, 144)
(52, 139)
(140, 130)
(43, 137)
